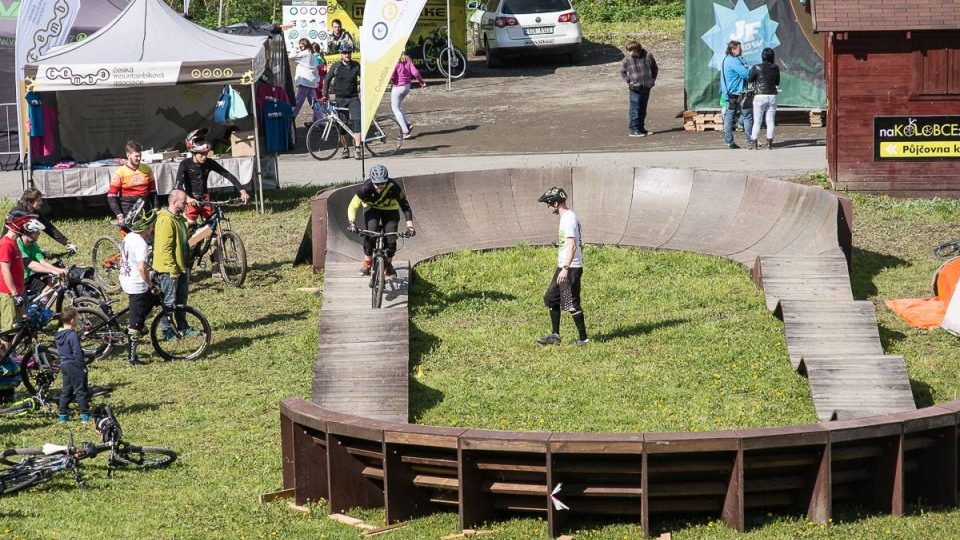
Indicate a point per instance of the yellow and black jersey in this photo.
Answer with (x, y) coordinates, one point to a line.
(391, 198)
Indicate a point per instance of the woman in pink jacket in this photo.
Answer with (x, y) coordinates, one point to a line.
(403, 74)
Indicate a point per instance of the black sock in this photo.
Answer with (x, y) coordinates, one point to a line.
(555, 320)
(581, 326)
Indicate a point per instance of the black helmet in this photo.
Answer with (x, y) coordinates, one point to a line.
(553, 195)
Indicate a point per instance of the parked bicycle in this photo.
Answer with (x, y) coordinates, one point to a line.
(378, 266)
(440, 55)
(106, 253)
(27, 467)
(78, 288)
(186, 337)
(324, 136)
(216, 240)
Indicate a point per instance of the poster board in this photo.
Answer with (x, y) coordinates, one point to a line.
(304, 19)
(783, 25)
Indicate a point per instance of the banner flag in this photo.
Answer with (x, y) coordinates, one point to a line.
(41, 25)
(783, 25)
(387, 25)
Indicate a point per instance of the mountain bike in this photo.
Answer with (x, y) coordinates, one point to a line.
(224, 247)
(324, 136)
(27, 467)
(77, 288)
(440, 55)
(378, 266)
(39, 371)
(106, 253)
(186, 337)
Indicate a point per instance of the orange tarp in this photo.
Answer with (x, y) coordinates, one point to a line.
(928, 312)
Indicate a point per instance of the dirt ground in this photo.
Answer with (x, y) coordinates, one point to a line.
(545, 105)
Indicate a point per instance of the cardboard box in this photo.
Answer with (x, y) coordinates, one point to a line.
(242, 144)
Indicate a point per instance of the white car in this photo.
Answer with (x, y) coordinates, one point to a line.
(503, 28)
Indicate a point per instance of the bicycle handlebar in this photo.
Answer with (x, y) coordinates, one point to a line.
(228, 202)
(377, 234)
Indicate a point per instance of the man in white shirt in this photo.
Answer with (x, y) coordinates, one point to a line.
(135, 276)
(564, 291)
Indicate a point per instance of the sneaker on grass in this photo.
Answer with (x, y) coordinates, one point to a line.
(549, 339)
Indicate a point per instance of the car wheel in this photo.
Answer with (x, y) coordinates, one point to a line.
(576, 57)
(493, 60)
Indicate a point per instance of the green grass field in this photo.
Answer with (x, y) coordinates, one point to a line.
(681, 341)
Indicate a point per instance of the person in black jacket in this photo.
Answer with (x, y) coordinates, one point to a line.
(766, 77)
(73, 367)
(30, 203)
(192, 176)
(383, 201)
(343, 78)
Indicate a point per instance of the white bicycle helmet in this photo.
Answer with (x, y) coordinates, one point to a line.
(197, 141)
(33, 225)
(379, 174)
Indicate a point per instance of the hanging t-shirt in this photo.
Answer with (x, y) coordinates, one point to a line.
(45, 144)
(36, 114)
(10, 253)
(133, 251)
(570, 228)
(277, 117)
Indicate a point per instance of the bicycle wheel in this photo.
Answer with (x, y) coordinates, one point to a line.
(87, 302)
(21, 407)
(37, 377)
(87, 289)
(232, 259)
(451, 62)
(23, 475)
(187, 336)
(12, 457)
(384, 138)
(429, 55)
(379, 282)
(323, 140)
(106, 263)
(142, 456)
(98, 333)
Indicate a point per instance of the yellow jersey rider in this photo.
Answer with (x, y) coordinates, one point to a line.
(383, 200)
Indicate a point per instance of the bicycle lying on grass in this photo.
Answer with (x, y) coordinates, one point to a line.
(324, 136)
(27, 467)
(186, 337)
(223, 246)
(378, 264)
(39, 371)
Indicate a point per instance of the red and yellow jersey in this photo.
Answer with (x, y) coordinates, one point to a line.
(127, 182)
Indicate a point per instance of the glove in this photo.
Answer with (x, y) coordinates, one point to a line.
(17, 300)
(411, 232)
(352, 227)
(71, 247)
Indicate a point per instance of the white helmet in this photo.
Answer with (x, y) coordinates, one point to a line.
(33, 225)
(197, 141)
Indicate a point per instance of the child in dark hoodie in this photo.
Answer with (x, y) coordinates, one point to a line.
(72, 367)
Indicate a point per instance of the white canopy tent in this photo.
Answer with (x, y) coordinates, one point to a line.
(151, 45)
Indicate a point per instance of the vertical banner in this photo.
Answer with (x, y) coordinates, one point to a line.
(386, 26)
(783, 25)
(41, 25)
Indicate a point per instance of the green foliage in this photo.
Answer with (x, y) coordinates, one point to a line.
(205, 12)
(605, 11)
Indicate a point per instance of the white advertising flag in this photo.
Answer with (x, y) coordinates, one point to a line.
(387, 25)
(41, 25)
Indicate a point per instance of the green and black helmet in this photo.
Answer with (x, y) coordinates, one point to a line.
(144, 220)
(553, 195)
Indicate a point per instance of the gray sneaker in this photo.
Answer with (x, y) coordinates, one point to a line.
(549, 339)
(581, 342)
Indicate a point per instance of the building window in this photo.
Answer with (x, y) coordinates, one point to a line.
(936, 64)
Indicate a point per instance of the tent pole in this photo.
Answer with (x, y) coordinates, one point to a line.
(258, 172)
(449, 51)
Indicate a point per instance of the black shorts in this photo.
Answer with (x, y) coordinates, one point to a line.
(351, 116)
(565, 296)
(140, 306)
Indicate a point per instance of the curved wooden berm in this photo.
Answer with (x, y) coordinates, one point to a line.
(353, 447)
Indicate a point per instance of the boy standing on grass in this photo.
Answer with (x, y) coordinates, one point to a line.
(72, 367)
(564, 291)
(135, 276)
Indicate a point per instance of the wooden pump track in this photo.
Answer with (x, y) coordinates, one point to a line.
(353, 446)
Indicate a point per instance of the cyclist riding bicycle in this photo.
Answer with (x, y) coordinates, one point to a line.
(192, 176)
(131, 181)
(383, 200)
(344, 78)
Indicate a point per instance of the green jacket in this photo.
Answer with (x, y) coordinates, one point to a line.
(170, 249)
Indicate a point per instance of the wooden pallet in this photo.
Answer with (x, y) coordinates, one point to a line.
(693, 121)
(818, 117)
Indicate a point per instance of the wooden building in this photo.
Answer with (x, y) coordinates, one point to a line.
(892, 69)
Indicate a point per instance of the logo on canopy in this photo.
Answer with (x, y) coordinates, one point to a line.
(78, 79)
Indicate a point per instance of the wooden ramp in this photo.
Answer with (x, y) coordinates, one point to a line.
(834, 339)
(362, 353)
